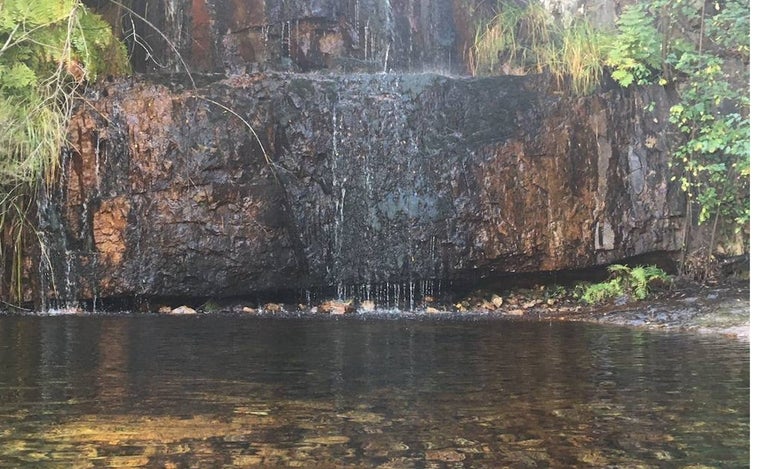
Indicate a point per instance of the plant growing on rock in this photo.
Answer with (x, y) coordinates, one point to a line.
(636, 55)
(634, 282)
(703, 52)
(528, 39)
(699, 50)
(49, 48)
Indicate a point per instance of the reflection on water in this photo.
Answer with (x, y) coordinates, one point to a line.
(214, 391)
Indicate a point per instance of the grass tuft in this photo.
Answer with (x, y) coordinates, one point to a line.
(523, 40)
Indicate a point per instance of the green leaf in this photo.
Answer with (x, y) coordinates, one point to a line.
(17, 77)
(623, 77)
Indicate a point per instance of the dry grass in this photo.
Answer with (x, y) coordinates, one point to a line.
(530, 40)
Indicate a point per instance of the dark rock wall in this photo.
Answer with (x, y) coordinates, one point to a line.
(285, 181)
(296, 35)
(306, 35)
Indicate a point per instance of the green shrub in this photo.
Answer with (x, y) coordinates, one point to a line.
(634, 282)
(636, 54)
(704, 53)
(49, 49)
(601, 292)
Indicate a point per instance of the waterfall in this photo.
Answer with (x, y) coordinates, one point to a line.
(174, 31)
(339, 193)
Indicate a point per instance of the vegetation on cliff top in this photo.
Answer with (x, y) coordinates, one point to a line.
(699, 50)
(704, 53)
(520, 40)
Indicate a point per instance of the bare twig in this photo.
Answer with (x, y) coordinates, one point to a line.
(165, 38)
(242, 119)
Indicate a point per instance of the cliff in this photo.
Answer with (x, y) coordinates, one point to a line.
(386, 183)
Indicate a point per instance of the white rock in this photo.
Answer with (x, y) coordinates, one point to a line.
(183, 310)
(497, 301)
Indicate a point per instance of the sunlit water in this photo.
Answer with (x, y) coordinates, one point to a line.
(215, 391)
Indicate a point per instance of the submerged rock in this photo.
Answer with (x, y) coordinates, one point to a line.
(445, 455)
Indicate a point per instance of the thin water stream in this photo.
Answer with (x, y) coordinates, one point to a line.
(362, 392)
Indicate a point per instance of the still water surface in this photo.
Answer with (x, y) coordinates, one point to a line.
(214, 391)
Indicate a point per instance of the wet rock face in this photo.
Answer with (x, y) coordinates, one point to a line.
(296, 35)
(370, 180)
(308, 35)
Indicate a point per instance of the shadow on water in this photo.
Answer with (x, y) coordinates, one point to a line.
(129, 390)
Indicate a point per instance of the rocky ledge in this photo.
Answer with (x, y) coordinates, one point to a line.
(720, 309)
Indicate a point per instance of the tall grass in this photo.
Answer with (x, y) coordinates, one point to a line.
(504, 39)
(49, 48)
(583, 54)
(32, 132)
(523, 40)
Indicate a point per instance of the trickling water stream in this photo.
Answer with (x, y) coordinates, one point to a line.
(174, 22)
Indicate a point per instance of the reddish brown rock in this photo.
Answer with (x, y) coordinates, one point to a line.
(272, 308)
(109, 226)
(336, 307)
(183, 310)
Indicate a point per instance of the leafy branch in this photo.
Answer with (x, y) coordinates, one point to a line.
(706, 68)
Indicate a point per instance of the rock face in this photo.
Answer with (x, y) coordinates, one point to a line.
(298, 35)
(384, 186)
(233, 36)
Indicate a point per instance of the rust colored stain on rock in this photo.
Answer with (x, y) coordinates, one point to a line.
(247, 14)
(202, 37)
(79, 169)
(109, 228)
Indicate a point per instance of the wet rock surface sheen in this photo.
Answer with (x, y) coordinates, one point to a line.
(288, 181)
